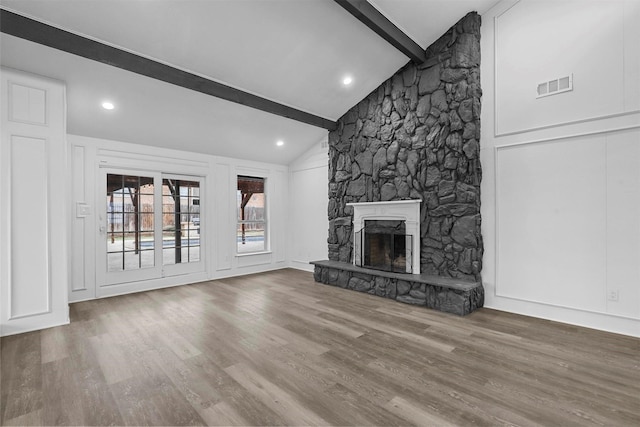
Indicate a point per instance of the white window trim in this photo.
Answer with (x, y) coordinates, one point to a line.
(267, 242)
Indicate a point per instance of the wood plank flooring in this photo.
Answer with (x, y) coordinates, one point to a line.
(279, 349)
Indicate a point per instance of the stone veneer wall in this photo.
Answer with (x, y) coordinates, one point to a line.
(416, 136)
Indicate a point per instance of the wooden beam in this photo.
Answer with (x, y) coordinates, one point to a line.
(372, 18)
(436, 59)
(35, 31)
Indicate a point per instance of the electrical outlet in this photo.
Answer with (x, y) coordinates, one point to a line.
(612, 295)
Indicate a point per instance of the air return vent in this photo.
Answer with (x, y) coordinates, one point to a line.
(555, 86)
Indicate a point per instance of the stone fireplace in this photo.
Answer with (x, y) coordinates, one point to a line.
(387, 235)
(413, 141)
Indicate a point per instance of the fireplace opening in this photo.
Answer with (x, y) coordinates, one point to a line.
(384, 245)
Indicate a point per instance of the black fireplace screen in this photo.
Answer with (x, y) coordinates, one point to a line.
(384, 245)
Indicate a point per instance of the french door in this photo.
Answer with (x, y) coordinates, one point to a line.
(150, 226)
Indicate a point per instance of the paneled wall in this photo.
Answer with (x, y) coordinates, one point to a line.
(308, 199)
(33, 209)
(218, 207)
(51, 209)
(561, 194)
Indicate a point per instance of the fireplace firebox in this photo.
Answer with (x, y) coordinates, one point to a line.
(399, 221)
(384, 245)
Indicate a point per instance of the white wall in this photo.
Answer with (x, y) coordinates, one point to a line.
(52, 200)
(308, 201)
(561, 174)
(33, 215)
(218, 217)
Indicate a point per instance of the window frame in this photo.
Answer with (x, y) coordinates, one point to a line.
(238, 222)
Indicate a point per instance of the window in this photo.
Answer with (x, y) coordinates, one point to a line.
(251, 233)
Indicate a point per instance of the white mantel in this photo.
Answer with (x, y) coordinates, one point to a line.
(401, 210)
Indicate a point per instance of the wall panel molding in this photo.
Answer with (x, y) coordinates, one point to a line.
(34, 218)
(601, 77)
(569, 135)
(223, 228)
(501, 289)
(124, 158)
(534, 212)
(78, 272)
(610, 117)
(30, 261)
(27, 104)
(280, 222)
(498, 144)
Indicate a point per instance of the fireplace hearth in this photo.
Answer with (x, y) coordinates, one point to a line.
(410, 151)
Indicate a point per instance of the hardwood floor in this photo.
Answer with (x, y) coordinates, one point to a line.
(279, 349)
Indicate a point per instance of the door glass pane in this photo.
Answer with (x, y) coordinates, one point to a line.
(180, 220)
(194, 253)
(168, 256)
(146, 221)
(114, 261)
(129, 222)
(147, 258)
(131, 260)
(146, 240)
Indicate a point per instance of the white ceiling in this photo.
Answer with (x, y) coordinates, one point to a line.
(294, 52)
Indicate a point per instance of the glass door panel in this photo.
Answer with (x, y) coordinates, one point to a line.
(130, 249)
(150, 226)
(130, 237)
(181, 221)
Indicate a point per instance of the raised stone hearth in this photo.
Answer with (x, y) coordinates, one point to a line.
(438, 293)
(414, 139)
(417, 137)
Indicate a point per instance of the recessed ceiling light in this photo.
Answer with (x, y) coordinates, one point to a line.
(347, 80)
(280, 143)
(108, 105)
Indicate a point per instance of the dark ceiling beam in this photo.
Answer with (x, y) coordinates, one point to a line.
(38, 32)
(372, 18)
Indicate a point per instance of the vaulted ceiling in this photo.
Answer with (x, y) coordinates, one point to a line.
(293, 52)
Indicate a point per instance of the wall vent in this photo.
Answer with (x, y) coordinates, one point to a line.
(555, 86)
